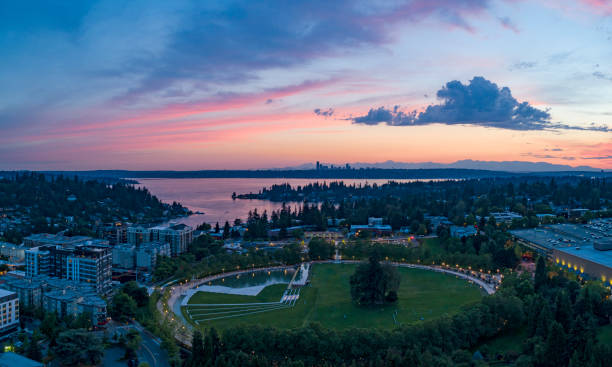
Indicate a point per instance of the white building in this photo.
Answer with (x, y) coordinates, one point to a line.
(9, 312)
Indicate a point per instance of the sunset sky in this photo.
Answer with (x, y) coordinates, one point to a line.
(257, 84)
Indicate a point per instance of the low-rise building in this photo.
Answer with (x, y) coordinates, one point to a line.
(583, 249)
(505, 217)
(459, 231)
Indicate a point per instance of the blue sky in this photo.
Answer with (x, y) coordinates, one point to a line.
(234, 84)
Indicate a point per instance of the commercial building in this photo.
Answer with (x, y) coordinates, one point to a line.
(583, 249)
(9, 312)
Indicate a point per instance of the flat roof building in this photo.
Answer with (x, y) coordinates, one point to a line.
(582, 249)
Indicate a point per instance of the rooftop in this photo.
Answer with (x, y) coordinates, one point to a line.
(10, 359)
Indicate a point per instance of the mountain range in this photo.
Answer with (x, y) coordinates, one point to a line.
(506, 166)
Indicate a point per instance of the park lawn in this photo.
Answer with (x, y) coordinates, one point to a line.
(290, 317)
(423, 295)
(272, 293)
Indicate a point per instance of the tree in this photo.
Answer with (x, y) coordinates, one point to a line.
(78, 346)
(139, 294)
(373, 283)
(33, 351)
(197, 358)
(319, 249)
(226, 230)
(541, 274)
(132, 344)
(123, 307)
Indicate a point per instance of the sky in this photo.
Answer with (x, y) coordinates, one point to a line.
(187, 85)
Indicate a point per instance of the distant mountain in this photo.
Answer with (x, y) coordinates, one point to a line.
(505, 166)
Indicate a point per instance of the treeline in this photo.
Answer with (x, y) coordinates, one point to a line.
(207, 256)
(570, 190)
(490, 249)
(405, 204)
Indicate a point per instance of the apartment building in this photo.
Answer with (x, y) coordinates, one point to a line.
(9, 312)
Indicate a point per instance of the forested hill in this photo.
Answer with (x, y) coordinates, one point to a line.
(34, 203)
(361, 173)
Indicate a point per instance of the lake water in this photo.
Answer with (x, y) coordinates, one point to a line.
(213, 196)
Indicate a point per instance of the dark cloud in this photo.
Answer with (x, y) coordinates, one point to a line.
(480, 102)
(555, 150)
(326, 113)
(602, 157)
(231, 41)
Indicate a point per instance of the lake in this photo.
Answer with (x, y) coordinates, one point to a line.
(213, 196)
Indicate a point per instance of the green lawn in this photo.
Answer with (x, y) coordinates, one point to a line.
(423, 295)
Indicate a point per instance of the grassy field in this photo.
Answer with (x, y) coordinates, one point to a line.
(423, 295)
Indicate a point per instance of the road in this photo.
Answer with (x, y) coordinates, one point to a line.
(150, 350)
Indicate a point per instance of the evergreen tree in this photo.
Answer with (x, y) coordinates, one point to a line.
(541, 273)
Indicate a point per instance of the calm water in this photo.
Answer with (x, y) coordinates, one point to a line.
(213, 196)
(257, 278)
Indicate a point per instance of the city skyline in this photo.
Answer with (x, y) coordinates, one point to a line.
(240, 85)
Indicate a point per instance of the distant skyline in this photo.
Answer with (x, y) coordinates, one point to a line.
(188, 85)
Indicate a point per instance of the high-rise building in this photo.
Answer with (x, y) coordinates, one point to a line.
(137, 235)
(88, 263)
